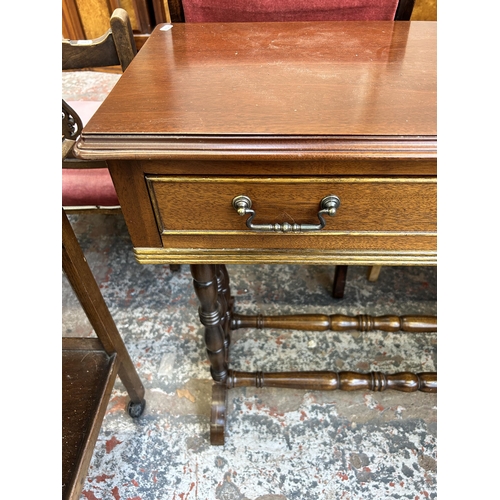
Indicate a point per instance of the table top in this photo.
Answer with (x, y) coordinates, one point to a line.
(275, 87)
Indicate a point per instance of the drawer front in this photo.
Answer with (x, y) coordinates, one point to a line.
(375, 214)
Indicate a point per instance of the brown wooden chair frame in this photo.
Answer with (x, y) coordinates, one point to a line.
(116, 47)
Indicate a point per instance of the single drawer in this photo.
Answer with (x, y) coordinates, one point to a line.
(375, 214)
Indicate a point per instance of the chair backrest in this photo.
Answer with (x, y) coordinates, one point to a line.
(289, 10)
(115, 47)
(87, 185)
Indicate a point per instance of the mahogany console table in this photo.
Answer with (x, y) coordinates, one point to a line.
(306, 143)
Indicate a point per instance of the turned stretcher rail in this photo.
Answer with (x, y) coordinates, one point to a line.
(337, 322)
(331, 381)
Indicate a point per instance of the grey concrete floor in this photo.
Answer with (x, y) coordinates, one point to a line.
(280, 444)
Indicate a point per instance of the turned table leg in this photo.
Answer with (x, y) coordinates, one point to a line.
(225, 304)
(211, 317)
(211, 285)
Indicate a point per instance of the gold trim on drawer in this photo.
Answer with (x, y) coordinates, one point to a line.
(323, 232)
(298, 180)
(245, 256)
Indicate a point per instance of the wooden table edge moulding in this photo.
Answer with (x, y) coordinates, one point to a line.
(302, 143)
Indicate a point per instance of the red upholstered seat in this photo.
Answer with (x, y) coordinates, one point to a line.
(83, 187)
(88, 187)
(206, 11)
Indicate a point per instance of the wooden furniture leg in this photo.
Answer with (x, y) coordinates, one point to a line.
(89, 370)
(339, 282)
(374, 272)
(86, 289)
(210, 311)
(211, 283)
(340, 276)
(225, 303)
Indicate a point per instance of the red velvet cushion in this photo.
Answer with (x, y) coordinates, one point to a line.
(91, 186)
(209, 11)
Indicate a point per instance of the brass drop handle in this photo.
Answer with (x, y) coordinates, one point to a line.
(328, 206)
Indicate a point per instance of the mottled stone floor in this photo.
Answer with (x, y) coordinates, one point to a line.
(280, 444)
(87, 85)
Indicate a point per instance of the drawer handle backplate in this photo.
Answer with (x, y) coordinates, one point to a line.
(328, 206)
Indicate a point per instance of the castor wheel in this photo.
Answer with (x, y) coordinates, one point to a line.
(218, 414)
(135, 410)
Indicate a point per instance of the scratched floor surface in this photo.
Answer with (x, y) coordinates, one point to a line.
(280, 444)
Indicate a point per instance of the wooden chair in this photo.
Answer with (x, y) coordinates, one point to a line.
(87, 185)
(294, 10)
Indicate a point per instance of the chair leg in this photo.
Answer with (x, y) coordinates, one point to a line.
(373, 273)
(339, 282)
(175, 267)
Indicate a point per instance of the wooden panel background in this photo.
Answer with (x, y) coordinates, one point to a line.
(424, 10)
